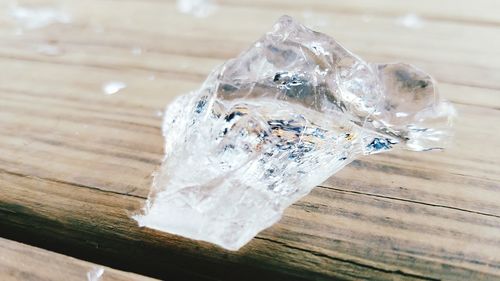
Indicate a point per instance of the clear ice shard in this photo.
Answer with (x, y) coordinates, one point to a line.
(269, 125)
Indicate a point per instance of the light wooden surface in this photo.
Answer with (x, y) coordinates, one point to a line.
(22, 262)
(75, 163)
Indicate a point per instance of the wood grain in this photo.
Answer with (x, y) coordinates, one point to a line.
(22, 262)
(76, 163)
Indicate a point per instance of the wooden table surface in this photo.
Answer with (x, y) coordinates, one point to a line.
(75, 162)
(22, 262)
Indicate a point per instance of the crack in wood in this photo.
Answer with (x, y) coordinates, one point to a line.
(409, 201)
(355, 263)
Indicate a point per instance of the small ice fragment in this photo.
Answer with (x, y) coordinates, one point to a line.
(95, 274)
(151, 77)
(197, 8)
(411, 20)
(136, 51)
(49, 50)
(113, 87)
(38, 17)
(159, 113)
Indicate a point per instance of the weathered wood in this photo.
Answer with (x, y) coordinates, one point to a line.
(22, 262)
(75, 163)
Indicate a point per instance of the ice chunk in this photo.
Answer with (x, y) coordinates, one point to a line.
(268, 126)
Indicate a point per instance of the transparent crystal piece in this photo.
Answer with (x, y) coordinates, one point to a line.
(268, 126)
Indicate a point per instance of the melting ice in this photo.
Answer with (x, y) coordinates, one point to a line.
(269, 125)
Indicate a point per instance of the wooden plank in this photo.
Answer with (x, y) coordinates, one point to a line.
(76, 163)
(22, 262)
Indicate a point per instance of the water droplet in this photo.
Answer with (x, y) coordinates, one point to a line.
(113, 87)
